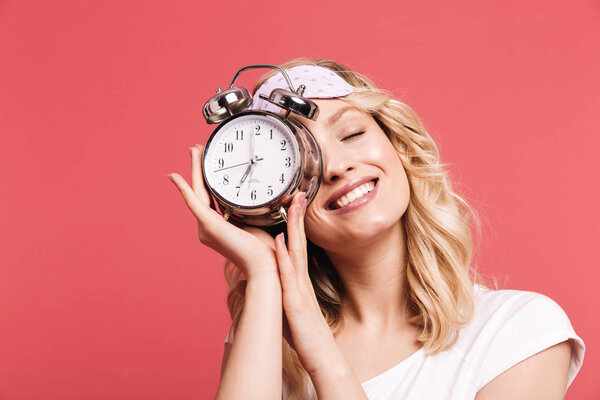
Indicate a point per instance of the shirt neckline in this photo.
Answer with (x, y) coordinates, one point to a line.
(388, 372)
(410, 358)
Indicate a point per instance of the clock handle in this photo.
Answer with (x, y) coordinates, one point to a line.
(283, 213)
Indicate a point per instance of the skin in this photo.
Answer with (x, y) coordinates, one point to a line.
(365, 242)
(368, 249)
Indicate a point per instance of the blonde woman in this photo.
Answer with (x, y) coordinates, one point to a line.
(369, 292)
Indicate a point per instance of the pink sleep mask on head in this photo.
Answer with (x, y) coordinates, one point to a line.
(320, 82)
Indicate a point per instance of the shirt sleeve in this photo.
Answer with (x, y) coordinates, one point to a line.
(525, 329)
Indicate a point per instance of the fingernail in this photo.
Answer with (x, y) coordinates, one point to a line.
(170, 177)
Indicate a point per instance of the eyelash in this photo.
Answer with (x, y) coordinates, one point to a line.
(353, 135)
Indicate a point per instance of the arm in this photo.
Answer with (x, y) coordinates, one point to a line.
(308, 331)
(337, 381)
(541, 376)
(252, 368)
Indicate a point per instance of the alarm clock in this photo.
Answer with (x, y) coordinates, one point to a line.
(255, 161)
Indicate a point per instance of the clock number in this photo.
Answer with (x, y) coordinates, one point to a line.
(281, 179)
(253, 194)
(288, 162)
(270, 190)
(257, 133)
(225, 179)
(238, 191)
(283, 142)
(221, 163)
(271, 136)
(239, 135)
(228, 147)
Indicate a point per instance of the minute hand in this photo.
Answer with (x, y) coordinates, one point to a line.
(231, 166)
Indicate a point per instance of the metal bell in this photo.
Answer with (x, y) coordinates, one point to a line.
(293, 102)
(225, 104)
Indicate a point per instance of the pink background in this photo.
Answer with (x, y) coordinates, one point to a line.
(105, 291)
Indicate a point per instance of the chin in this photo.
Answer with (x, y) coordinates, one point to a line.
(370, 227)
(356, 233)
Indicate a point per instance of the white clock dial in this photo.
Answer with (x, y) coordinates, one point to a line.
(251, 160)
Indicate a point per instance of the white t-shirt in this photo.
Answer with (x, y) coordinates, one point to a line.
(508, 326)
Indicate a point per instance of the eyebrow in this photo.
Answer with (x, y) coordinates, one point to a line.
(335, 117)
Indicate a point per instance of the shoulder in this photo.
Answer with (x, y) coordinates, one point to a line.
(493, 308)
(509, 326)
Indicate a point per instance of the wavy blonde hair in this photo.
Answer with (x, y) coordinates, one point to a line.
(439, 276)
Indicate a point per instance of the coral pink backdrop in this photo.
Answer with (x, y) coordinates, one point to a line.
(105, 291)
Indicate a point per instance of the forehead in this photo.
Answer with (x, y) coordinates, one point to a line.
(331, 112)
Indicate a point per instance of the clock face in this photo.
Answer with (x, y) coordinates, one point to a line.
(251, 160)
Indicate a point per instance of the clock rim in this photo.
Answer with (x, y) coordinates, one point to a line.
(274, 203)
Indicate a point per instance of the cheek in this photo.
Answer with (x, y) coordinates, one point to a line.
(398, 187)
(380, 149)
(392, 204)
(401, 191)
(313, 225)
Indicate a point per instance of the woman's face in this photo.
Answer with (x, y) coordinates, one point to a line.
(356, 154)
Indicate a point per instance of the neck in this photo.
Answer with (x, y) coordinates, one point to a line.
(374, 276)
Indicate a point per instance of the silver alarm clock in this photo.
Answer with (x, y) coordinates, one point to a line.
(255, 161)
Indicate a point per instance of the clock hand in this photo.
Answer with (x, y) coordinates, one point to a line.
(249, 169)
(246, 174)
(232, 166)
(250, 180)
(252, 157)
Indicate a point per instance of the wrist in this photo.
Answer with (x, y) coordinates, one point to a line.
(332, 371)
(264, 272)
(330, 361)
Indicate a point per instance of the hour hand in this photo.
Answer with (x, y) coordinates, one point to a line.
(246, 172)
(249, 169)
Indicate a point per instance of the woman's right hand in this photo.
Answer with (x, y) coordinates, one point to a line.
(250, 249)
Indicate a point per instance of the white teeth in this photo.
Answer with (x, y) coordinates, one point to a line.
(355, 194)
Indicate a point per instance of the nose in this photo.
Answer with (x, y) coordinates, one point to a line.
(336, 164)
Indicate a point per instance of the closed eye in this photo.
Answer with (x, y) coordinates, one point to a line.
(353, 135)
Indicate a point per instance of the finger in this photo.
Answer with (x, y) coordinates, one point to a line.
(188, 195)
(197, 178)
(295, 234)
(286, 268)
(213, 230)
(303, 206)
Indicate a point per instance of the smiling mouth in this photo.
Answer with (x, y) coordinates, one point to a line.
(353, 195)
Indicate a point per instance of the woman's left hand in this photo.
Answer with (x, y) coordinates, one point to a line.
(305, 328)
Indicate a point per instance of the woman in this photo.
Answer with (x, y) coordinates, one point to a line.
(375, 282)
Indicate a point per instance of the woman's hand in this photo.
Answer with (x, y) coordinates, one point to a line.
(250, 249)
(305, 328)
